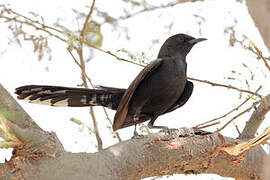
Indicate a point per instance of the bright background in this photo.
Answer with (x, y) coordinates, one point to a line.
(211, 60)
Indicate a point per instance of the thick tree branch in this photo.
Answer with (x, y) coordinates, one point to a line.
(267, 167)
(141, 158)
(14, 118)
(20, 128)
(256, 119)
(260, 12)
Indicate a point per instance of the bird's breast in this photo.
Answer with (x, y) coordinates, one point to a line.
(167, 84)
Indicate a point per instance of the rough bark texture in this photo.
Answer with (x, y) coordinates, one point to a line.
(260, 12)
(267, 167)
(153, 155)
(256, 119)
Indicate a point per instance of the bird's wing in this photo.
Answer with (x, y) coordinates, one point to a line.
(122, 109)
(183, 98)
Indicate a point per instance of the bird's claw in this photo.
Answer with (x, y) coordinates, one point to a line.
(168, 131)
(137, 136)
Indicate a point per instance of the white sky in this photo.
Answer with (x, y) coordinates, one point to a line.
(212, 60)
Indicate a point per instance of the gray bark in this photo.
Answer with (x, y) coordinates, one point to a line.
(260, 13)
(153, 155)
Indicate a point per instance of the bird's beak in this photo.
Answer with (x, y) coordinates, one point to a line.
(194, 41)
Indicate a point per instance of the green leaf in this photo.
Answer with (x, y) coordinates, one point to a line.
(252, 97)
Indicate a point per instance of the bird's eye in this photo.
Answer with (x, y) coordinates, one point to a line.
(180, 40)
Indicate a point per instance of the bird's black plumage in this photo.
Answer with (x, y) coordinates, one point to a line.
(159, 88)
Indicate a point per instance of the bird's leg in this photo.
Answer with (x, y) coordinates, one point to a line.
(136, 135)
(163, 128)
(151, 125)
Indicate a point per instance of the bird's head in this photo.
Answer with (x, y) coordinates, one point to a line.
(179, 44)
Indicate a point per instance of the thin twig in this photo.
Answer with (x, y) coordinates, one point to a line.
(96, 131)
(147, 9)
(87, 19)
(112, 54)
(80, 123)
(237, 129)
(34, 21)
(43, 27)
(89, 80)
(75, 60)
(226, 86)
(33, 25)
(259, 53)
(208, 125)
(108, 118)
(238, 115)
(84, 79)
(226, 114)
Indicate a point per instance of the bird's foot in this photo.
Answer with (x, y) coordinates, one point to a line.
(184, 131)
(180, 132)
(169, 131)
(164, 129)
(136, 135)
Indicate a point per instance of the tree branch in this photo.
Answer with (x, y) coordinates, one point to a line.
(147, 8)
(259, 54)
(226, 114)
(16, 122)
(259, 11)
(193, 154)
(256, 119)
(105, 111)
(87, 19)
(238, 115)
(42, 28)
(225, 86)
(84, 76)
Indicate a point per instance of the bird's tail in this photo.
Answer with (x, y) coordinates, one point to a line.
(73, 97)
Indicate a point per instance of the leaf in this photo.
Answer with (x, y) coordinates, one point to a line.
(252, 97)
(71, 41)
(139, 57)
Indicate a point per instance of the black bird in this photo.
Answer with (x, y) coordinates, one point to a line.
(159, 88)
